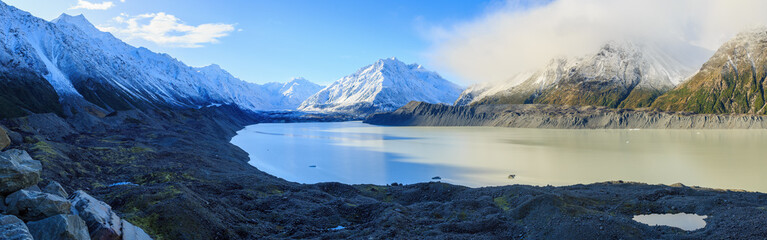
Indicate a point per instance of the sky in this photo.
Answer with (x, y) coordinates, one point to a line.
(465, 41)
(273, 41)
(516, 38)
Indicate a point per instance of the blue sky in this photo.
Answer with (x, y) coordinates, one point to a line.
(266, 41)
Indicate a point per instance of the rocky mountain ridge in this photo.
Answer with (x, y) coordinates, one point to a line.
(68, 66)
(558, 117)
(731, 81)
(621, 74)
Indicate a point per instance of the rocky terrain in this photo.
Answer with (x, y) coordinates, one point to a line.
(175, 175)
(558, 116)
(30, 212)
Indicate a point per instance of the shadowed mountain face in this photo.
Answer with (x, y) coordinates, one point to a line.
(732, 81)
(67, 66)
(24, 92)
(620, 74)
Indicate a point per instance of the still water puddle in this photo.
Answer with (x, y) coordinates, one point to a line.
(684, 221)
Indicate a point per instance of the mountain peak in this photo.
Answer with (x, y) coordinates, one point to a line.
(384, 85)
(751, 35)
(389, 61)
(78, 21)
(298, 80)
(212, 67)
(394, 63)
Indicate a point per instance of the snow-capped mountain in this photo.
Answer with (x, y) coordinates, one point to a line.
(93, 71)
(620, 74)
(271, 96)
(731, 81)
(293, 92)
(384, 85)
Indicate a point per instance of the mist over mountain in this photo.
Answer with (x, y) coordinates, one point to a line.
(620, 74)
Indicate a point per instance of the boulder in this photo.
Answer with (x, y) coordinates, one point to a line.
(5, 140)
(131, 232)
(18, 171)
(59, 227)
(102, 222)
(33, 188)
(12, 228)
(32, 206)
(56, 189)
(14, 136)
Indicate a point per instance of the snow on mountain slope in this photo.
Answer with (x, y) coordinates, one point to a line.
(86, 66)
(294, 92)
(384, 85)
(622, 74)
(272, 96)
(732, 81)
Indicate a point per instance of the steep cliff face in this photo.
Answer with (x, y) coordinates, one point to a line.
(731, 81)
(556, 116)
(620, 74)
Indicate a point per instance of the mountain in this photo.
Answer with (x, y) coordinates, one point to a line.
(384, 85)
(731, 81)
(68, 66)
(291, 94)
(270, 96)
(621, 74)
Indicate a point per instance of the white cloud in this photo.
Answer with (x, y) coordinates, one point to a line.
(512, 38)
(167, 30)
(82, 4)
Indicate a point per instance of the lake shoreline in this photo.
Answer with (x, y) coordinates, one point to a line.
(558, 117)
(352, 152)
(190, 182)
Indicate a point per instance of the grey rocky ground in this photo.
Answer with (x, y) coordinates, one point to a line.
(175, 174)
(557, 116)
(29, 212)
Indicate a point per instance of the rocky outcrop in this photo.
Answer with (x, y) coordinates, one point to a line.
(49, 215)
(131, 232)
(12, 228)
(18, 170)
(59, 227)
(5, 141)
(32, 205)
(56, 189)
(552, 116)
(102, 222)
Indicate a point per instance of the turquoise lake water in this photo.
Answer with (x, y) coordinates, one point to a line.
(354, 152)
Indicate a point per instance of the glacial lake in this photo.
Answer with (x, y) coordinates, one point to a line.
(356, 153)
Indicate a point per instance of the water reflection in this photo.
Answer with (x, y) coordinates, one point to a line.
(353, 152)
(684, 221)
